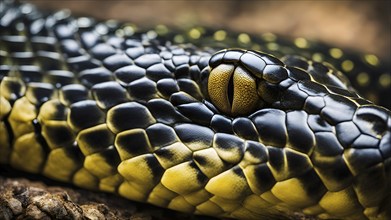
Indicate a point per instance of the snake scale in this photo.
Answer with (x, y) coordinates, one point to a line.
(194, 127)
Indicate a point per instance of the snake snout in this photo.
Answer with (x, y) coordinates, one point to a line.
(375, 124)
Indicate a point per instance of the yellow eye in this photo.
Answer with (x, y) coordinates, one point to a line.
(236, 77)
(233, 90)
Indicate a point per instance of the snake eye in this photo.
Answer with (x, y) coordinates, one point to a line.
(232, 89)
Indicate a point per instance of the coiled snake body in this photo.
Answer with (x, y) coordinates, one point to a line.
(234, 133)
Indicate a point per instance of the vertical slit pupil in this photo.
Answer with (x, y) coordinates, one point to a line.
(231, 90)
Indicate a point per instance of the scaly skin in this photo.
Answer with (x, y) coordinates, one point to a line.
(231, 133)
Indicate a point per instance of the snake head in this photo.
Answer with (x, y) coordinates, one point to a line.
(242, 81)
(310, 113)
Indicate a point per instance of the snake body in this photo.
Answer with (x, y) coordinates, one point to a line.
(226, 133)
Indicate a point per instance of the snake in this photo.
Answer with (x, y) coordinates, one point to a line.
(205, 122)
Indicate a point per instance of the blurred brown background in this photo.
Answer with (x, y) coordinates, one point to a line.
(361, 25)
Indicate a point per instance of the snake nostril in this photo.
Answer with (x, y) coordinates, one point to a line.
(371, 120)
